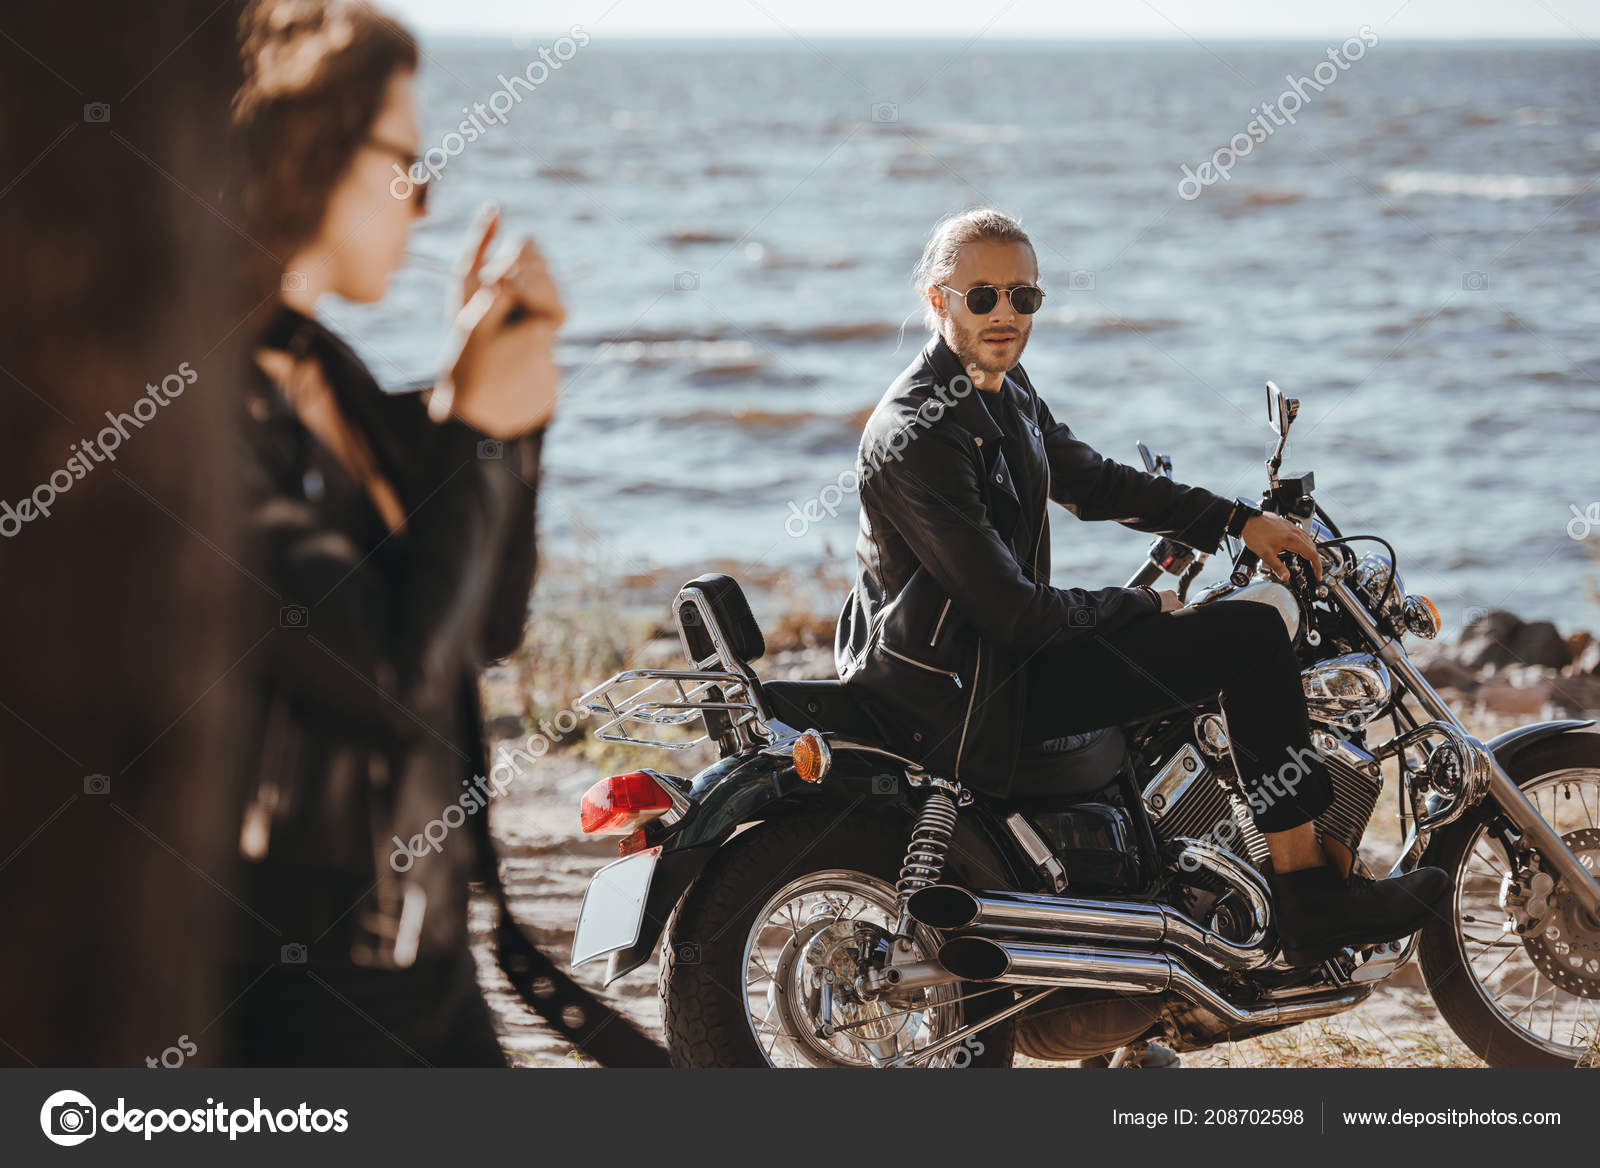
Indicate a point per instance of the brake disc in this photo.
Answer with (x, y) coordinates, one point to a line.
(1564, 942)
(823, 958)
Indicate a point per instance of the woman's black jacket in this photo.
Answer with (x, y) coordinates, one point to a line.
(365, 679)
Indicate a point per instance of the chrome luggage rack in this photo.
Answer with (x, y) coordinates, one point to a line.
(720, 690)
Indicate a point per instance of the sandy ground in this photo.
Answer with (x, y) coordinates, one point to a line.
(548, 863)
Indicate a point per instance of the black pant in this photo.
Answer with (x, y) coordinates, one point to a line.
(1170, 661)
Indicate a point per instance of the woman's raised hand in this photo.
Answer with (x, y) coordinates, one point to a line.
(504, 377)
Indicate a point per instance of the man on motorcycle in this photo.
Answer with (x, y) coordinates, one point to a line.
(954, 630)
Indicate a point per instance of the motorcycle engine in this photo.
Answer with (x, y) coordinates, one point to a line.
(1196, 793)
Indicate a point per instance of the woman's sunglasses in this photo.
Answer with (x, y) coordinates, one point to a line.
(413, 167)
(981, 298)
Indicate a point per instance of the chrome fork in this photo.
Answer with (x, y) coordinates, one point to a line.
(1502, 788)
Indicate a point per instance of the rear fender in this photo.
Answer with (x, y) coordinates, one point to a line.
(753, 787)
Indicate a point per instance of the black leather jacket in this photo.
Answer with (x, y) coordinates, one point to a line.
(366, 718)
(952, 595)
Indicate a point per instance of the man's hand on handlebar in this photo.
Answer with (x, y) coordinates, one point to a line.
(1169, 600)
(1268, 534)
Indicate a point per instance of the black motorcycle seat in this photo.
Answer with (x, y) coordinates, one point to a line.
(828, 706)
(1074, 764)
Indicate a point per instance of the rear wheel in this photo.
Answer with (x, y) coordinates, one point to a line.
(1515, 965)
(761, 959)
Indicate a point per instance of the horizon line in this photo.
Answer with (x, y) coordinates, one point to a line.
(1024, 36)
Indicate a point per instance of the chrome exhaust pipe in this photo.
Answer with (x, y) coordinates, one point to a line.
(1147, 926)
(976, 957)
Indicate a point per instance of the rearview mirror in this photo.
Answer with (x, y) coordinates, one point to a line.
(1157, 464)
(1281, 411)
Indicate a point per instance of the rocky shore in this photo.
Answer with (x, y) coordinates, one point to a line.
(1504, 665)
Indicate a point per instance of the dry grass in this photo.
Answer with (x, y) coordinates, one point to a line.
(1347, 1041)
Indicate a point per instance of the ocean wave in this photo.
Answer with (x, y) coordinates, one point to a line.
(717, 344)
(684, 236)
(659, 349)
(865, 330)
(777, 261)
(1270, 198)
(731, 369)
(915, 168)
(1481, 186)
(1125, 324)
(746, 418)
(976, 132)
(1072, 318)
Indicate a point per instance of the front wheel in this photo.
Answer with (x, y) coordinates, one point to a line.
(776, 923)
(1514, 967)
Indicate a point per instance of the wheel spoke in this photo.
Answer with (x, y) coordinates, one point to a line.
(818, 918)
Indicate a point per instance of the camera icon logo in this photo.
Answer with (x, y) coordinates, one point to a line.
(98, 112)
(67, 1118)
(687, 953)
(294, 281)
(1583, 523)
(97, 784)
(293, 616)
(1080, 616)
(686, 282)
(1474, 281)
(885, 785)
(885, 111)
(293, 953)
(491, 448)
(1081, 281)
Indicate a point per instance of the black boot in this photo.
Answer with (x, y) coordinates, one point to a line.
(1320, 913)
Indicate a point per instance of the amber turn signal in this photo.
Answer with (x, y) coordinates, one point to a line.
(1421, 617)
(811, 757)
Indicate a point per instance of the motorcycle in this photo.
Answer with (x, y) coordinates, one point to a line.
(823, 901)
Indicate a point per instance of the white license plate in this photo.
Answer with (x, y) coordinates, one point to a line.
(613, 907)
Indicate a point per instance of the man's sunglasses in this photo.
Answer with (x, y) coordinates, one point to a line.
(413, 167)
(981, 298)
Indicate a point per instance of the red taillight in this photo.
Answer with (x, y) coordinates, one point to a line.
(618, 805)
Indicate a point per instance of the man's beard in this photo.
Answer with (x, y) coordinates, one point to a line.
(969, 346)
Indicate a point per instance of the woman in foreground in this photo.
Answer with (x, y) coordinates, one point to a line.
(393, 539)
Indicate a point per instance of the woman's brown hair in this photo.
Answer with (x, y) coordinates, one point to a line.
(315, 74)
